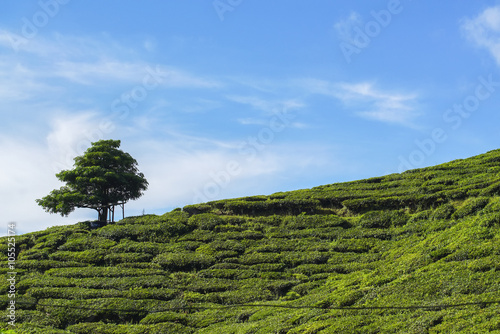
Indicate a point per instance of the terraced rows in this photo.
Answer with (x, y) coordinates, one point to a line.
(190, 270)
(224, 260)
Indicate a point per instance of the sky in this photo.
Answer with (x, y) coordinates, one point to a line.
(232, 98)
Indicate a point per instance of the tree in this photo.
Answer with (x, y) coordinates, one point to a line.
(102, 177)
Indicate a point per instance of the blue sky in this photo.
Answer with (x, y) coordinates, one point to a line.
(229, 98)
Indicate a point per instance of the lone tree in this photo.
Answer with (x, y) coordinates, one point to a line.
(103, 176)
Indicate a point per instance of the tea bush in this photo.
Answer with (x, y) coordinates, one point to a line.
(102, 272)
(470, 207)
(184, 261)
(91, 256)
(445, 211)
(115, 258)
(424, 237)
(383, 219)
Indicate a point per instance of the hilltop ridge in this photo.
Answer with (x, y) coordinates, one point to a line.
(414, 189)
(416, 252)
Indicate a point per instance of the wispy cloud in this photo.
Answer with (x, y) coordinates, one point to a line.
(103, 72)
(266, 123)
(368, 101)
(270, 106)
(20, 82)
(74, 90)
(382, 106)
(344, 27)
(100, 72)
(75, 60)
(63, 46)
(484, 30)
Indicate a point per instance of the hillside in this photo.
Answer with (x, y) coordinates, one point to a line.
(417, 252)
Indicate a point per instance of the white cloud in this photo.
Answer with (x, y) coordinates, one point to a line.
(344, 27)
(59, 73)
(89, 61)
(387, 107)
(270, 106)
(63, 46)
(484, 30)
(183, 170)
(368, 101)
(174, 174)
(20, 82)
(30, 165)
(25, 175)
(268, 123)
(105, 71)
(70, 136)
(178, 78)
(96, 72)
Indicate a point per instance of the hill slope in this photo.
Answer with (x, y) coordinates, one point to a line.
(417, 252)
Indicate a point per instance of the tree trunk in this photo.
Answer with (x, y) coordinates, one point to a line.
(103, 214)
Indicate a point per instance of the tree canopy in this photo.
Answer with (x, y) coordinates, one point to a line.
(102, 177)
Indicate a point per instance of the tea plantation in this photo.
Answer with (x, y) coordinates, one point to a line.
(417, 252)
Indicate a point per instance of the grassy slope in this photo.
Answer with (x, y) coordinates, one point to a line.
(426, 237)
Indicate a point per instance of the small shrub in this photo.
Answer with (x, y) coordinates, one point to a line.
(205, 221)
(42, 265)
(445, 211)
(159, 317)
(184, 261)
(422, 215)
(115, 258)
(35, 254)
(492, 207)
(470, 207)
(374, 219)
(85, 242)
(383, 219)
(489, 220)
(102, 272)
(129, 246)
(117, 232)
(110, 328)
(304, 288)
(440, 253)
(492, 190)
(196, 209)
(93, 256)
(352, 245)
(255, 258)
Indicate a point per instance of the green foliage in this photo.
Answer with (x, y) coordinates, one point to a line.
(471, 206)
(85, 242)
(159, 317)
(205, 221)
(107, 328)
(383, 219)
(183, 261)
(129, 246)
(116, 258)
(421, 238)
(196, 209)
(103, 176)
(42, 265)
(445, 211)
(91, 256)
(154, 229)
